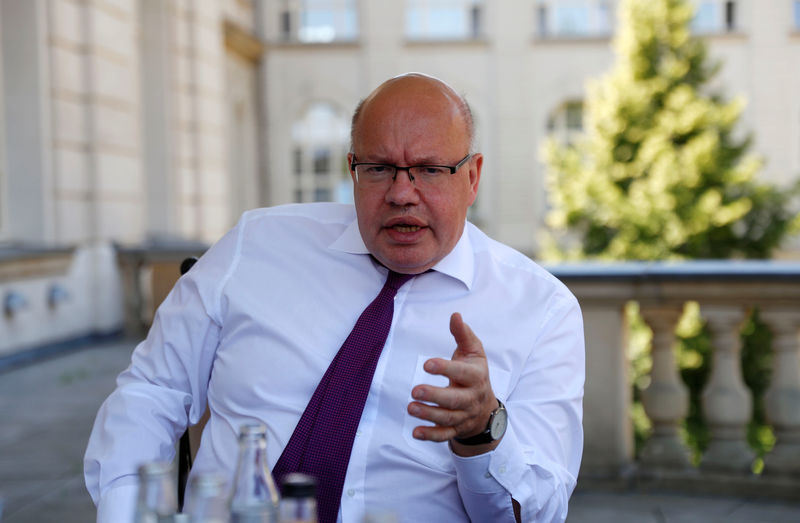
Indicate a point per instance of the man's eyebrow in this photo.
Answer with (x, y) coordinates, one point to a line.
(424, 160)
(428, 160)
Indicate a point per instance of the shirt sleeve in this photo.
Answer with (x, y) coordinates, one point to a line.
(164, 388)
(537, 461)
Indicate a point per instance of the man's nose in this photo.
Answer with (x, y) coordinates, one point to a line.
(403, 190)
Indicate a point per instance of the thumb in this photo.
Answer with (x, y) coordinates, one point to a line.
(467, 344)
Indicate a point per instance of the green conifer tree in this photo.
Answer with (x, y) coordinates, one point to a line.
(661, 172)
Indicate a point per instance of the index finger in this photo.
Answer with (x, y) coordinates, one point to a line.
(466, 342)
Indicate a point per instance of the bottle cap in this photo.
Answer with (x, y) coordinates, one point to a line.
(252, 430)
(155, 468)
(207, 482)
(298, 485)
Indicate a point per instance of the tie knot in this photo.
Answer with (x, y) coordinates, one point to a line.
(395, 280)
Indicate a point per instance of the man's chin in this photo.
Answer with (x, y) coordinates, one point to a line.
(405, 260)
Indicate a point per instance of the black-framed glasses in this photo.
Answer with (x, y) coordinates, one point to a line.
(384, 173)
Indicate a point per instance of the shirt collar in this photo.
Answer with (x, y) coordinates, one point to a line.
(459, 263)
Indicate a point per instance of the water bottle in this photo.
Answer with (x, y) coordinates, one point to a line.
(207, 499)
(298, 502)
(255, 498)
(158, 496)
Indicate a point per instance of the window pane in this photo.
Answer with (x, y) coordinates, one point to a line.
(574, 116)
(443, 19)
(328, 21)
(322, 194)
(797, 14)
(322, 161)
(706, 19)
(541, 20)
(572, 19)
(298, 161)
(320, 142)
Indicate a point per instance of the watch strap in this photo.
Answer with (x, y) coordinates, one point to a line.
(485, 436)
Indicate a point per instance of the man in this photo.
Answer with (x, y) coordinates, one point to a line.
(252, 328)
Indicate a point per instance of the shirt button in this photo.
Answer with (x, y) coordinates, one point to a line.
(358, 433)
(351, 492)
(487, 475)
(502, 469)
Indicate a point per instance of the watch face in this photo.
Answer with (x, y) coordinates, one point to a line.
(499, 421)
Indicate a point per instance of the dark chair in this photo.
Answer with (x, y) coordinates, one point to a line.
(185, 454)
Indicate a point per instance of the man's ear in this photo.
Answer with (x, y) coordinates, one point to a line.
(475, 167)
(350, 157)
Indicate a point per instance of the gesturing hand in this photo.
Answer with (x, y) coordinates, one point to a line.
(461, 409)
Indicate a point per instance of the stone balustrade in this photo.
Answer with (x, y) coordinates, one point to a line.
(726, 291)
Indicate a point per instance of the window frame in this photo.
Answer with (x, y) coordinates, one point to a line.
(561, 119)
(599, 19)
(724, 17)
(796, 15)
(293, 27)
(472, 26)
(309, 183)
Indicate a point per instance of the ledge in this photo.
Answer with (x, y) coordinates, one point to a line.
(29, 261)
(465, 42)
(297, 44)
(155, 251)
(571, 39)
(701, 270)
(711, 282)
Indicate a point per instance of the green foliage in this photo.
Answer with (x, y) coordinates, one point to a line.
(663, 173)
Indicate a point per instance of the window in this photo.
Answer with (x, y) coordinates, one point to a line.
(444, 19)
(566, 122)
(322, 161)
(319, 155)
(730, 16)
(573, 18)
(297, 161)
(319, 21)
(797, 14)
(714, 16)
(286, 25)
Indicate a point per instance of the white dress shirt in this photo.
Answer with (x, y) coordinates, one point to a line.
(253, 326)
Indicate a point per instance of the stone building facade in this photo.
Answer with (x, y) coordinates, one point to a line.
(132, 123)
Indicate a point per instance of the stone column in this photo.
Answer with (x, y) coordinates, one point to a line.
(783, 395)
(727, 404)
(666, 399)
(608, 448)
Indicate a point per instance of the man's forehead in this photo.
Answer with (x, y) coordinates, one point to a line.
(410, 88)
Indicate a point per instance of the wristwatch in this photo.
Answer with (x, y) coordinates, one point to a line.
(498, 421)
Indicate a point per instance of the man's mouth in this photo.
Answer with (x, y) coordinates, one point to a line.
(406, 228)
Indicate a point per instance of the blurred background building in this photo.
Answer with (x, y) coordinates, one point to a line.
(131, 127)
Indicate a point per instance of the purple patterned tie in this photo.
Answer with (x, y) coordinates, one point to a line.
(323, 439)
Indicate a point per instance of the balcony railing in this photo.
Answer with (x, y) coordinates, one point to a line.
(726, 292)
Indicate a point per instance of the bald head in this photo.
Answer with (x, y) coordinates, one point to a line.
(413, 88)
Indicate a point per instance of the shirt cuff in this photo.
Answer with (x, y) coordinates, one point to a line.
(118, 504)
(500, 469)
(474, 475)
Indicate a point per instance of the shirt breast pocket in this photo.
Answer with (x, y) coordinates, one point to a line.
(433, 454)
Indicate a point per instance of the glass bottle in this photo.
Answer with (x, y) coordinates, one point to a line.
(255, 498)
(207, 499)
(157, 500)
(299, 502)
